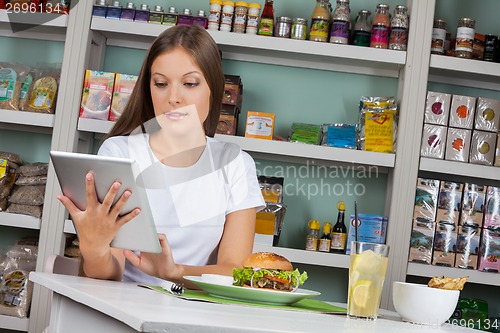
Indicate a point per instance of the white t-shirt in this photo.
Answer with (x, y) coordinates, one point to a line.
(190, 205)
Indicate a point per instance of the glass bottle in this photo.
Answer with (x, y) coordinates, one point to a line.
(214, 15)
(490, 46)
(200, 19)
(186, 18)
(362, 29)
(465, 37)
(240, 17)
(266, 23)
(341, 23)
(253, 18)
(325, 240)
(339, 231)
(226, 21)
(114, 11)
(398, 38)
(128, 12)
(100, 8)
(380, 27)
(156, 15)
(299, 28)
(312, 239)
(320, 22)
(438, 36)
(170, 18)
(142, 14)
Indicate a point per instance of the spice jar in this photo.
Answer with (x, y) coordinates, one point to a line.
(398, 38)
(170, 17)
(339, 33)
(465, 37)
(214, 15)
(283, 26)
(299, 28)
(156, 15)
(240, 17)
(253, 18)
(362, 29)
(438, 36)
(226, 21)
(380, 27)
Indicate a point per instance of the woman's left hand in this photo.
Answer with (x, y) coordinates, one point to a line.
(161, 265)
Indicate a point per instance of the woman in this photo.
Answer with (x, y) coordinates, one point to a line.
(203, 194)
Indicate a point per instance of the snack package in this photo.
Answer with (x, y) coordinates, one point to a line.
(437, 108)
(233, 90)
(445, 241)
(260, 125)
(458, 144)
(467, 247)
(372, 228)
(10, 87)
(482, 150)
(426, 198)
(449, 202)
(305, 133)
(7, 181)
(421, 243)
(473, 205)
(123, 87)
(96, 97)
(492, 210)
(462, 111)
(228, 120)
(433, 141)
(339, 135)
(489, 256)
(34, 169)
(43, 94)
(28, 195)
(487, 114)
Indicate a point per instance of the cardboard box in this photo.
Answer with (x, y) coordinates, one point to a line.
(372, 228)
(482, 148)
(122, 89)
(458, 144)
(473, 205)
(228, 120)
(445, 240)
(449, 203)
(421, 244)
(233, 90)
(426, 198)
(489, 256)
(462, 111)
(437, 108)
(487, 114)
(97, 92)
(433, 141)
(467, 248)
(260, 125)
(492, 209)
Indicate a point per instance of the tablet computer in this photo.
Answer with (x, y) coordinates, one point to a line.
(140, 233)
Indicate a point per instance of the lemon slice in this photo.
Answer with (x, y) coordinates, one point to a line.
(361, 292)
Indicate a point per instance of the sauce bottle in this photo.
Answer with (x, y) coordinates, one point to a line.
(380, 27)
(320, 22)
(266, 23)
(312, 239)
(339, 232)
(326, 240)
(362, 29)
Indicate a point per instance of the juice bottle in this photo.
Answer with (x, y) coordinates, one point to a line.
(266, 23)
(319, 30)
(380, 27)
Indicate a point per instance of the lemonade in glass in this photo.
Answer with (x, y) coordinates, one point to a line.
(367, 267)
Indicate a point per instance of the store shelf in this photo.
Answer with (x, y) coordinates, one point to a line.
(44, 26)
(94, 125)
(306, 257)
(69, 228)
(465, 72)
(27, 118)
(488, 278)
(460, 168)
(19, 221)
(268, 50)
(13, 323)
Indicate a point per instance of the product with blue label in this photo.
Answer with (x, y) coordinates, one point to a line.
(371, 228)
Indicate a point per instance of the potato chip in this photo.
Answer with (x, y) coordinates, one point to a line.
(448, 283)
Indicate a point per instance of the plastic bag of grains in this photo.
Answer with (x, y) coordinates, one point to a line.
(34, 169)
(27, 195)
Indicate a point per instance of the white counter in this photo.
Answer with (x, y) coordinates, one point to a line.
(87, 305)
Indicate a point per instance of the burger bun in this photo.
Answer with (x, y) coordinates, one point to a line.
(268, 260)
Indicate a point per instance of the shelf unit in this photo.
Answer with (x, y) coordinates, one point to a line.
(42, 26)
(26, 121)
(13, 323)
(486, 278)
(460, 168)
(19, 221)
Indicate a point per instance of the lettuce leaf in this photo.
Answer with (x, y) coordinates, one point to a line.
(246, 274)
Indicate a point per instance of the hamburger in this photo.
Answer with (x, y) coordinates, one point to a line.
(269, 271)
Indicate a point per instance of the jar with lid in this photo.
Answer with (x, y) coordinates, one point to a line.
(465, 37)
(186, 18)
(128, 12)
(156, 15)
(100, 8)
(214, 15)
(114, 11)
(142, 14)
(200, 19)
(226, 21)
(253, 18)
(320, 22)
(380, 27)
(170, 17)
(341, 23)
(299, 28)
(266, 23)
(240, 17)
(362, 29)
(438, 36)
(398, 38)
(283, 27)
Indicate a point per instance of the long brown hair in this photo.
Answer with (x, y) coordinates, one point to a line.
(197, 42)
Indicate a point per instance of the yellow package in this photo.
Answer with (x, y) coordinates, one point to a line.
(260, 125)
(380, 131)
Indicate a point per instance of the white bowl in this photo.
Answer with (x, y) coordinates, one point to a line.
(418, 303)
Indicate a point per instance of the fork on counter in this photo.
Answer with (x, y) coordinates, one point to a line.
(173, 288)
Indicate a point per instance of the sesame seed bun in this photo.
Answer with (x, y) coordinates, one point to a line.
(268, 260)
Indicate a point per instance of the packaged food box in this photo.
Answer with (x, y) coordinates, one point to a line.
(489, 256)
(437, 108)
(305, 133)
(487, 114)
(426, 198)
(433, 141)
(371, 228)
(473, 205)
(492, 210)
(260, 125)
(233, 90)
(123, 87)
(97, 92)
(339, 135)
(462, 111)
(449, 203)
(445, 241)
(421, 244)
(228, 120)
(467, 247)
(482, 148)
(458, 144)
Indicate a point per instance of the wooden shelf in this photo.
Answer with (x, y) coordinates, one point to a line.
(19, 221)
(460, 168)
(13, 323)
(268, 50)
(488, 278)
